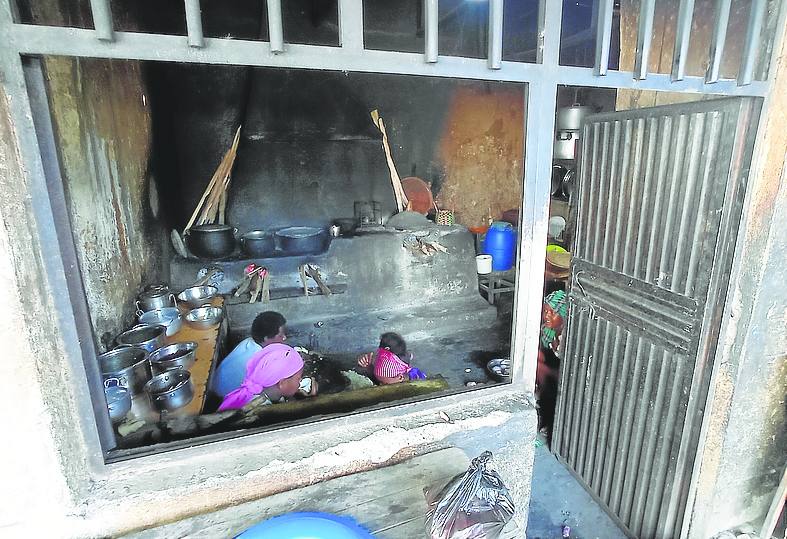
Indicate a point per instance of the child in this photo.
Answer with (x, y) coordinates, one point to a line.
(386, 362)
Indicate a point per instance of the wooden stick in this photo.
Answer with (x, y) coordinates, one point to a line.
(396, 182)
(201, 201)
(222, 206)
(216, 187)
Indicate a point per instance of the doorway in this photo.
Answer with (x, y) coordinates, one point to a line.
(660, 192)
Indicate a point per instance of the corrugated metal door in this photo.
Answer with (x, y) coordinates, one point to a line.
(659, 198)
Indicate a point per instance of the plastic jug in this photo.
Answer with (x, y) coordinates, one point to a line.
(500, 242)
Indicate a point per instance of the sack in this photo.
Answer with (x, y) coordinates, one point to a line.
(473, 505)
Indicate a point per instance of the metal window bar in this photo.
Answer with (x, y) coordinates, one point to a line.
(102, 20)
(430, 31)
(752, 43)
(194, 23)
(716, 51)
(495, 55)
(644, 38)
(603, 36)
(682, 36)
(275, 28)
(47, 40)
(351, 24)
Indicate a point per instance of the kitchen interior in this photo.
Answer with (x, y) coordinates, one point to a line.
(352, 203)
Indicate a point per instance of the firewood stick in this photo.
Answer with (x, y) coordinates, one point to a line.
(220, 176)
(208, 189)
(222, 207)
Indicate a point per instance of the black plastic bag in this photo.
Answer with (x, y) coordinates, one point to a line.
(473, 505)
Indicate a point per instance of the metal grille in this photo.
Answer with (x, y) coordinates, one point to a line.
(658, 188)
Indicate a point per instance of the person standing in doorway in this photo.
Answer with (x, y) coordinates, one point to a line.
(268, 328)
(553, 316)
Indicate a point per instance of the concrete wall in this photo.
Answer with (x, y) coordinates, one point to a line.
(102, 130)
(309, 148)
(745, 451)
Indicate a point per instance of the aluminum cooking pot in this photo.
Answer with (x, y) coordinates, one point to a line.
(180, 355)
(169, 318)
(128, 365)
(570, 118)
(302, 240)
(118, 400)
(211, 241)
(257, 243)
(170, 390)
(155, 297)
(565, 145)
(143, 336)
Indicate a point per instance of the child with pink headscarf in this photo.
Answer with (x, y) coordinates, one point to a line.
(274, 372)
(387, 363)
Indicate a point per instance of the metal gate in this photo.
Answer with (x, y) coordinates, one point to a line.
(660, 192)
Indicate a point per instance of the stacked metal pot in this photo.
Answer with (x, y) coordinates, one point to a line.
(142, 364)
(567, 131)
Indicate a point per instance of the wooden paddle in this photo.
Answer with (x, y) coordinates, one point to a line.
(396, 182)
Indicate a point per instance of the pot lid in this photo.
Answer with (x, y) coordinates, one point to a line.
(154, 293)
(140, 334)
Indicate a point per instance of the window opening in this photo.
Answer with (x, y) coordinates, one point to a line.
(308, 156)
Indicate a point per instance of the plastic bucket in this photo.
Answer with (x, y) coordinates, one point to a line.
(483, 264)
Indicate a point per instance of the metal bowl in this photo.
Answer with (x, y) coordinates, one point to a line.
(197, 296)
(180, 355)
(205, 317)
(500, 369)
(170, 390)
(144, 336)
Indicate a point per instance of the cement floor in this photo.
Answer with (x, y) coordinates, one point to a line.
(556, 498)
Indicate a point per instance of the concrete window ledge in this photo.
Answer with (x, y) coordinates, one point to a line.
(389, 502)
(182, 484)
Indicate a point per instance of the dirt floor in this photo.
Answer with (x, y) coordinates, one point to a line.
(557, 498)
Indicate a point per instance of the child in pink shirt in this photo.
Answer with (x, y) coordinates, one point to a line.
(387, 363)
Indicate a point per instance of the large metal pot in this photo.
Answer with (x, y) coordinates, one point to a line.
(211, 241)
(180, 355)
(565, 145)
(129, 365)
(257, 243)
(155, 297)
(143, 336)
(302, 240)
(118, 400)
(169, 318)
(570, 118)
(170, 390)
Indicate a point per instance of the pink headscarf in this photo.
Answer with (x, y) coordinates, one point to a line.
(266, 368)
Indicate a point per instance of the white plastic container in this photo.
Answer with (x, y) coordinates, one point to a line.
(483, 264)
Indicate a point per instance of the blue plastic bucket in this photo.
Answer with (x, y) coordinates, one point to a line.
(500, 242)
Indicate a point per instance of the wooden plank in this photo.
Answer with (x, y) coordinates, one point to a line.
(207, 341)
